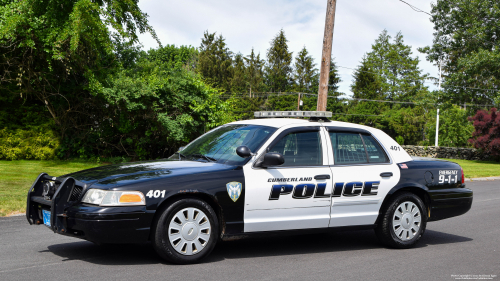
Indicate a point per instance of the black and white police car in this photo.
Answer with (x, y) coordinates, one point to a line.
(255, 177)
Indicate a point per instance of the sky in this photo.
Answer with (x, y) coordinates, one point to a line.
(247, 24)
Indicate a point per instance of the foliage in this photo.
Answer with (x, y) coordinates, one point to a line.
(278, 68)
(467, 43)
(367, 85)
(215, 61)
(254, 72)
(454, 128)
(486, 135)
(157, 106)
(28, 144)
(306, 74)
(57, 52)
(239, 81)
(400, 76)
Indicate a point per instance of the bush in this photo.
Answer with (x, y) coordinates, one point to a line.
(27, 144)
(486, 135)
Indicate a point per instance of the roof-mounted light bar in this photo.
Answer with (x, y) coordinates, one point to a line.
(303, 114)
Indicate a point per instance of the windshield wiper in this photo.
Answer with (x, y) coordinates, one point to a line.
(208, 158)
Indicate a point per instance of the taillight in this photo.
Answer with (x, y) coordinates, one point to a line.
(463, 176)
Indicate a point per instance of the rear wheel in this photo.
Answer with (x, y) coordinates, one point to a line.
(186, 232)
(403, 221)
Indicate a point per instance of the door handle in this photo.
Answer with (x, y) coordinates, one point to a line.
(386, 175)
(322, 177)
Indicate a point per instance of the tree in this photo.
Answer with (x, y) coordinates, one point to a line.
(278, 68)
(155, 107)
(454, 127)
(367, 85)
(400, 76)
(239, 80)
(59, 53)
(467, 44)
(254, 72)
(215, 61)
(306, 73)
(486, 135)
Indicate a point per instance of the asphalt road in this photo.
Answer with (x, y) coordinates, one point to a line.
(464, 245)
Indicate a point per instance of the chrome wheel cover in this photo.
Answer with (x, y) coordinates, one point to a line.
(189, 231)
(406, 221)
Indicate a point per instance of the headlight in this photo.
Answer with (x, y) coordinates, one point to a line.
(114, 198)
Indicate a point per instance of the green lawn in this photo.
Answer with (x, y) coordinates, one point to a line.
(478, 169)
(16, 178)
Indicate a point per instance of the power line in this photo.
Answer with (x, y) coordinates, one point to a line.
(415, 8)
(278, 94)
(424, 82)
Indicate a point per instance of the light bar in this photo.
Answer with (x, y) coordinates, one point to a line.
(275, 114)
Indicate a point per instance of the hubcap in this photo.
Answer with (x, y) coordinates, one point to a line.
(189, 231)
(406, 221)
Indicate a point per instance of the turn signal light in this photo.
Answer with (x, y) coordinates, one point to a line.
(130, 198)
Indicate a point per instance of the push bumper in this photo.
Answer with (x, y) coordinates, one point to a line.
(453, 203)
(69, 217)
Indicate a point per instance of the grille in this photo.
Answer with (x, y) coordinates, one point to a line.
(75, 193)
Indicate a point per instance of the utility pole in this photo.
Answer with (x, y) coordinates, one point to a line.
(436, 143)
(326, 56)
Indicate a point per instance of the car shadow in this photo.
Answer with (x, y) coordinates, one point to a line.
(138, 254)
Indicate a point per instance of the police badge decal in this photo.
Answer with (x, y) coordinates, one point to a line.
(234, 190)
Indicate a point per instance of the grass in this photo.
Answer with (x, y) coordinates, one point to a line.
(478, 169)
(16, 178)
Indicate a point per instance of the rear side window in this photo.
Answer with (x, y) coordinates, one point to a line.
(353, 148)
(375, 152)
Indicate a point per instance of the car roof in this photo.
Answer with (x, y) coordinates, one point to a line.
(281, 122)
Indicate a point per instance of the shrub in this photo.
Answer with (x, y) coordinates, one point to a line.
(486, 135)
(27, 144)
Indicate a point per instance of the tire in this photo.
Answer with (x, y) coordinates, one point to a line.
(186, 231)
(405, 232)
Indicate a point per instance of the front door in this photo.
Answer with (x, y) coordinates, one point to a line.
(295, 195)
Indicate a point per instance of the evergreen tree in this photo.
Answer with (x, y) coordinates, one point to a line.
(279, 60)
(305, 72)
(254, 72)
(400, 76)
(366, 85)
(215, 62)
(239, 80)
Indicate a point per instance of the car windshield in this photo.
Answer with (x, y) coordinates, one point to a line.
(219, 145)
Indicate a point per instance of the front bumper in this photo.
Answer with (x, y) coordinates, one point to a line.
(130, 224)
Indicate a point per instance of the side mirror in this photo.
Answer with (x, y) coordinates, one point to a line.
(243, 151)
(272, 159)
(181, 148)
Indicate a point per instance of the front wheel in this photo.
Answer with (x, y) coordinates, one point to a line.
(186, 232)
(403, 221)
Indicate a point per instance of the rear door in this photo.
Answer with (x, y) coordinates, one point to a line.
(295, 195)
(363, 174)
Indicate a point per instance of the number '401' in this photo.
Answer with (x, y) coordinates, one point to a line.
(156, 193)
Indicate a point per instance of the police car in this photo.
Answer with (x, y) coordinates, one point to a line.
(256, 177)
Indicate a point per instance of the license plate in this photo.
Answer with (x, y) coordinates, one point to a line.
(46, 217)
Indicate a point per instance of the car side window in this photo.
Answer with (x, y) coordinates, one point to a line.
(375, 152)
(354, 148)
(300, 149)
(348, 148)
